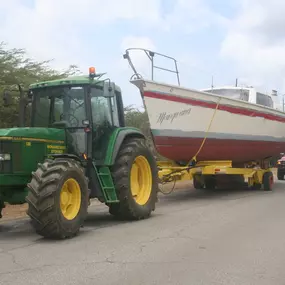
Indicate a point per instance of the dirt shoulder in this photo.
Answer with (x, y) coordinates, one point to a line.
(11, 212)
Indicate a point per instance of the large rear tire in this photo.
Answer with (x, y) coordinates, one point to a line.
(58, 198)
(136, 181)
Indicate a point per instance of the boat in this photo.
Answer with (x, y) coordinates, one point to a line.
(238, 124)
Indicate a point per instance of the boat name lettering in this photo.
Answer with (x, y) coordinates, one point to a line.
(170, 117)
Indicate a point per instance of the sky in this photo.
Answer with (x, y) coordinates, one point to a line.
(223, 39)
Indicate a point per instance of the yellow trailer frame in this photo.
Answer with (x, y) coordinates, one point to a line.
(169, 171)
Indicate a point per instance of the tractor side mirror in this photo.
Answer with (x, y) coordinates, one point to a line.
(30, 95)
(109, 89)
(7, 98)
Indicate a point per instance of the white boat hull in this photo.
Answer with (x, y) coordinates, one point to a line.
(236, 130)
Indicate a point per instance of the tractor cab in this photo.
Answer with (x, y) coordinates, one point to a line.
(85, 108)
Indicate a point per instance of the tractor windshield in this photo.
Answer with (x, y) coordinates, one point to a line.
(58, 104)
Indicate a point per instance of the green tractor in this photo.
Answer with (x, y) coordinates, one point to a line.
(76, 148)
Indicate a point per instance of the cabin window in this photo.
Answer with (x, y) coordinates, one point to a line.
(264, 100)
(239, 94)
(115, 112)
(41, 111)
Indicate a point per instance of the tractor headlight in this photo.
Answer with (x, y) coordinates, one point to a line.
(5, 156)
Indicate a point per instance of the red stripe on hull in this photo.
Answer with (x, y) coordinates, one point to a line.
(183, 149)
(227, 108)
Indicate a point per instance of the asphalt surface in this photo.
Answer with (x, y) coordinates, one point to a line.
(194, 237)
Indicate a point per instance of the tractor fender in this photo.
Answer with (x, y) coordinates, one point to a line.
(67, 156)
(121, 136)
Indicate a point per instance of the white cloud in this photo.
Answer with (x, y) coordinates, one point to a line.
(75, 33)
(53, 28)
(256, 43)
(192, 16)
(137, 42)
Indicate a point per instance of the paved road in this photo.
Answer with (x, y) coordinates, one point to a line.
(194, 237)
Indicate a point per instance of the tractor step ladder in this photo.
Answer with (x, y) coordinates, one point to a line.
(106, 183)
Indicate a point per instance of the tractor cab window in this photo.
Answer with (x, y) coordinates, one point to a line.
(104, 117)
(104, 109)
(59, 104)
(100, 108)
(41, 116)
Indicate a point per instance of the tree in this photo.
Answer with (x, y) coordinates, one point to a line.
(139, 119)
(17, 68)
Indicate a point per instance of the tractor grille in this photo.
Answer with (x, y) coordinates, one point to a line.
(13, 148)
(5, 166)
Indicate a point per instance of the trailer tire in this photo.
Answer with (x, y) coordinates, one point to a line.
(197, 182)
(58, 198)
(210, 182)
(268, 181)
(280, 176)
(135, 163)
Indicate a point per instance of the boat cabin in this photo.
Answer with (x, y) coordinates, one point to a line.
(248, 94)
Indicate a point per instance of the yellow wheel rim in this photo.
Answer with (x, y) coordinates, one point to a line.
(70, 199)
(141, 180)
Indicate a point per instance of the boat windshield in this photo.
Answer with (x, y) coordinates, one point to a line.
(240, 94)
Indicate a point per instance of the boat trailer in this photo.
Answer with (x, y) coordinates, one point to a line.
(205, 174)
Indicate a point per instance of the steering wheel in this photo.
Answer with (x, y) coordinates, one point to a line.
(71, 118)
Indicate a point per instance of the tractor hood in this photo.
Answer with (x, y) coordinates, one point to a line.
(49, 135)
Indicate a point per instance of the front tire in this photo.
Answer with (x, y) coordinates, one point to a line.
(136, 181)
(58, 198)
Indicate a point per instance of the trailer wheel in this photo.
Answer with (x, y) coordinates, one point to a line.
(210, 182)
(280, 176)
(268, 181)
(136, 181)
(58, 198)
(197, 182)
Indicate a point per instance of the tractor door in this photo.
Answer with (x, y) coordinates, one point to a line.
(104, 117)
(63, 107)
